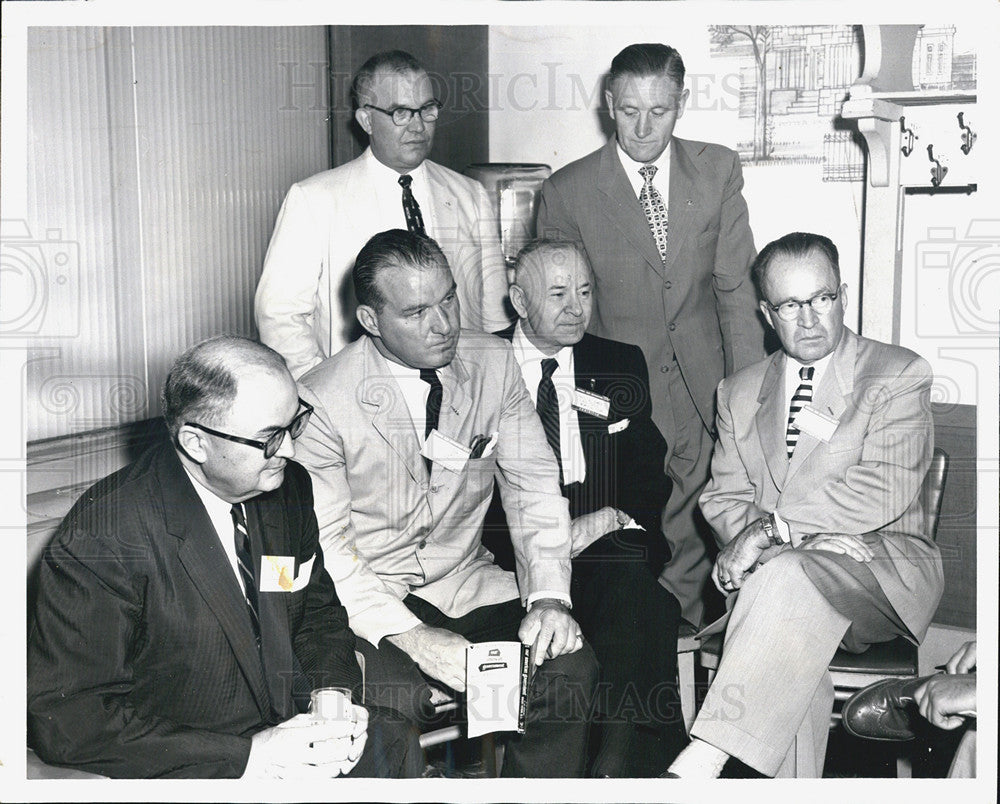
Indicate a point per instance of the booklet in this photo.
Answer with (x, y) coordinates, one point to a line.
(497, 676)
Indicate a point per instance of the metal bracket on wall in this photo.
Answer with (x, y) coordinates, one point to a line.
(968, 135)
(908, 137)
(939, 171)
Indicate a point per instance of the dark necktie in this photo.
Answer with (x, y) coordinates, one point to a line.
(803, 396)
(547, 405)
(433, 408)
(245, 563)
(655, 208)
(411, 209)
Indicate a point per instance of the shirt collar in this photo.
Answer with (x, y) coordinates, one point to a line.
(526, 351)
(792, 367)
(385, 174)
(631, 167)
(216, 506)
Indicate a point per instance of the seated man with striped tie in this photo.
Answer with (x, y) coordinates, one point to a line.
(592, 395)
(184, 614)
(815, 500)
(304, 303)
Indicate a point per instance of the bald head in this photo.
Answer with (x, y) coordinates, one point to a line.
(552, 293)
(203, 381)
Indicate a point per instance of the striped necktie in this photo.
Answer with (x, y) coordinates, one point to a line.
(803, 396)
(655, 208)
(245, 563)
(547, 405)
(411, 209)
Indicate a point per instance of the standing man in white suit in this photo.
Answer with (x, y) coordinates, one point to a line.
(304, 302)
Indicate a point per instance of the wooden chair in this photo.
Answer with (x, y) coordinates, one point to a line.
(896, 659)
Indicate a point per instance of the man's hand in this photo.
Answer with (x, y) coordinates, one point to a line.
(438, 652)
(736, 560)
(551, 629)
(305, 748)
(588, 528)
(843, 543)
(946, 700)
(964, 659)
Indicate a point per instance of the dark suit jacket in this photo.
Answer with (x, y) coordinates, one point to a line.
(700, 304)
(142, 660)
(624, 468)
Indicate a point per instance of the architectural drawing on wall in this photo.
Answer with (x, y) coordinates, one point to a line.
(794, 80)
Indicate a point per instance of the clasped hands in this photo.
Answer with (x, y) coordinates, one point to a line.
(739, 558)
(305, 747)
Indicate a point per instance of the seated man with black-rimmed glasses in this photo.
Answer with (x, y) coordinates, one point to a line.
(184, 615)
(304, 304)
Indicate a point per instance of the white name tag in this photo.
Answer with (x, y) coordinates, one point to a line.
(618, 427)
(589, 402)
(277, 573)
(445, 451)
(811, 422)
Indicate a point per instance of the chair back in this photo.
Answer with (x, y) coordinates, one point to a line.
(933, 490)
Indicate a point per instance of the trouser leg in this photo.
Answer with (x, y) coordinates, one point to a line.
(631, 622)
(554, 743)
(772, 690)
(689, 458)
(392, 750)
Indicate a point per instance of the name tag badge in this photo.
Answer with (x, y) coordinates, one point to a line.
(811, 422)
(277, 573)
(445, 451)
(589, 402)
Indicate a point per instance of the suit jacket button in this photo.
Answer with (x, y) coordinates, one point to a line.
(672, 327)
(667, 285)
(423, 544)
(664, 369)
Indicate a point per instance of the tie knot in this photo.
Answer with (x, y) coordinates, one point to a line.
(549, 365)
(405, 181)
(430, 376)
(647, 172)
(806, 373)
(237, 514)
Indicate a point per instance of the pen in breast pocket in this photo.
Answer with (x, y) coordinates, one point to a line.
(478, 446)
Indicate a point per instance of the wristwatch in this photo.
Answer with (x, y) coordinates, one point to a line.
(768, 525)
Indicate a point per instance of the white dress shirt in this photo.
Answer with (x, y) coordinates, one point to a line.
(661, 181)
(529, 358)
(415, 392)
(389, 194)
(222, 520)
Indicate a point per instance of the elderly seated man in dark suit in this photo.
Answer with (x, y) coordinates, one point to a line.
(592, 395)
(184, 614)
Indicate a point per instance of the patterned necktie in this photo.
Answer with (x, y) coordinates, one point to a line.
(242, 538)
(803, 396)
(411, 209)
(547, 405)
(433, 409)
(655, 208)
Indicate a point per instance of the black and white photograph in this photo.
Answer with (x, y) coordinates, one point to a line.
(484, 400)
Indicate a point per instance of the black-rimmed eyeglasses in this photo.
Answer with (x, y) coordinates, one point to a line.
(821, 303)
(274, 441)
(402, 115)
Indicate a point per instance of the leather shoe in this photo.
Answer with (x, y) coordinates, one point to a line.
(883, 710)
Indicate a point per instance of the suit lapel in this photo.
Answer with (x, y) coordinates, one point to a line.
(624, 208)
(455, 405)
(390, 417)
(682, 202)
(770, 422)
(441, 215)
(831, 396)
(205, 562)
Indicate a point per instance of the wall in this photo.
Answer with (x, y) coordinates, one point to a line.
(157, 158)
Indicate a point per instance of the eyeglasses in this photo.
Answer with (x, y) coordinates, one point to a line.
(402, 115)
(275, 440)
(821, 303)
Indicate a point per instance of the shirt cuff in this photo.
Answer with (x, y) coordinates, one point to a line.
(560, 596)
(783, 530)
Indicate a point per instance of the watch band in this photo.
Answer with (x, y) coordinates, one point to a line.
(770, 530)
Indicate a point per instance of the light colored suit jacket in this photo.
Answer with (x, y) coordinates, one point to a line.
(388, 529)
(700, 304)
(305, 299)
(865, 480)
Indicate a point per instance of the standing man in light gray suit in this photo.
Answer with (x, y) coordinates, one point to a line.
(665, 227)
(815, 495)
(411, 424)
(304, 303)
